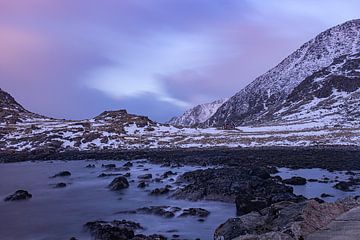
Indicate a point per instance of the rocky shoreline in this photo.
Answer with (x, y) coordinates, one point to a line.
(325, 157)
(266, 205)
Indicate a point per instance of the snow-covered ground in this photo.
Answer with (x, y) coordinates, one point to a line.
(100, 134)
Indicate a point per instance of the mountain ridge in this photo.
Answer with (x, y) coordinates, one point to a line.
(270, 89)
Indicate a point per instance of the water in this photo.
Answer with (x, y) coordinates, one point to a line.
(315, 189)
(61, 213)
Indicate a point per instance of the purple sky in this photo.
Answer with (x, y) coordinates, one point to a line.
(74, 59)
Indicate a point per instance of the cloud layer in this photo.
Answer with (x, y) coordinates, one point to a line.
(73, 59)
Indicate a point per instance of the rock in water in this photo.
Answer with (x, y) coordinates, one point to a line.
(60, 185)
(196, 212)
(18, 195)
(145, 176)
(119, 183)
(121, 230)
(118, 230)
(62, 174)
(295, 181)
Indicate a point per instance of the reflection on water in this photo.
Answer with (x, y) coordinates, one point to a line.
(60, 213)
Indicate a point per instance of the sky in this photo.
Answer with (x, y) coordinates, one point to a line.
(74, 59)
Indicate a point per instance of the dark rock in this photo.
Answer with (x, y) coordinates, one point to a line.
(119, 230)
(60, 185)
(127, 174)
(151, 237)
(145, 176)
(62, 174)
(90, 166)
(168, 174)
(109, 166)
(18, 195)
(163, 211)
(119, 183)
(344, 186)
(245, 204)
(325, 195)
(108, 175)
(196, 212)
(128, 164)
(160, 191)
(142, 185)
(295, 181)
(225, 184)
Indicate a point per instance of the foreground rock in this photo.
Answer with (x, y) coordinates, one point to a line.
(119, 230)
(119, 183)
(18, 195)
(284, 220)
(253, 189)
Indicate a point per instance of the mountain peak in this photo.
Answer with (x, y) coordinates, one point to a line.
(269, 90)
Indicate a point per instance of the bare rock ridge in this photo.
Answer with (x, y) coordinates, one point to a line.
(197, 114)
(11, 111)
(259, 99)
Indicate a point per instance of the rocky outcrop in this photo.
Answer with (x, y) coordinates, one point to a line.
(18, 195)
(284, 220)
(248, 186)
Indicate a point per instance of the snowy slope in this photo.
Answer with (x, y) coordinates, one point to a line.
(197, 114)
(269, 90)
(330, 96)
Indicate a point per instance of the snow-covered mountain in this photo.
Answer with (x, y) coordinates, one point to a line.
(257, 102)
(197, 114)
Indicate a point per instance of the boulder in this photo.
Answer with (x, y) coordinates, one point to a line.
(119, 183)
(18, 195)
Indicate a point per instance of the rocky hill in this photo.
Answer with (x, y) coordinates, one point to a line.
(266, 94)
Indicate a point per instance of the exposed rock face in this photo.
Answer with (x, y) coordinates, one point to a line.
(18, 195)
(256, 102)
(284, 220)
(11, 112)
(197, 114)
(227, 184)
(119, 183)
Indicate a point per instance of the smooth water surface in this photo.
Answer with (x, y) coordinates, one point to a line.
(61, 213)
